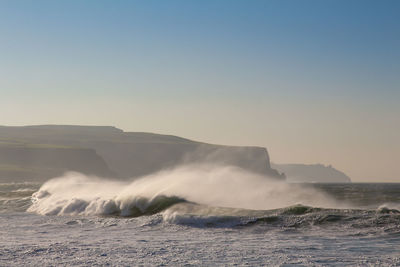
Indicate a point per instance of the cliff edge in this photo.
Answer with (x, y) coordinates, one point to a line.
(111, 152)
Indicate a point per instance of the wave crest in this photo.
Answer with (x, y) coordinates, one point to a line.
(212, 186)
(133, 207)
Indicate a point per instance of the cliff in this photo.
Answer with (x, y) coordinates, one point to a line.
(316, 173)
(40, 162)
(127, 154)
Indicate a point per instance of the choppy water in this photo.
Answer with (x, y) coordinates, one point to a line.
(91, 222)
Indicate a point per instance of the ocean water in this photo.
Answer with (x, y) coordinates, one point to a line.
(198, 216)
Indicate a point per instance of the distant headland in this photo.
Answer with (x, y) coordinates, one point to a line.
(41, 152)
(45, 151)
(314, 173)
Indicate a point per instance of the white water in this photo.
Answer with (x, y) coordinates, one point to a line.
(193, 234)
(225, 186)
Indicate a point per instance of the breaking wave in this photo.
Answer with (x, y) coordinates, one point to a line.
(231, 187)
(204, 196)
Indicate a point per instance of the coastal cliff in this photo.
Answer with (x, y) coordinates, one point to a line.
(314, 173)
(111, 152)
(40, 162)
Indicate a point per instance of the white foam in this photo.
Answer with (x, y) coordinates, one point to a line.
(224, 186)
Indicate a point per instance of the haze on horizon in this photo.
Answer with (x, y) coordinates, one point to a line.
(312, 81)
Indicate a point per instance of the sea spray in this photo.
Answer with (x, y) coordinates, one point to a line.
(216, 186)
(363, 235)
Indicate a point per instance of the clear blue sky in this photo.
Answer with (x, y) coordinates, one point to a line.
(313, 81)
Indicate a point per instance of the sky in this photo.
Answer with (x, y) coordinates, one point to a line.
(312, 81)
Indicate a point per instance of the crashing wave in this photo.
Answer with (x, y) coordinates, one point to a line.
(207, 185)
(133, 207)
(205, 197)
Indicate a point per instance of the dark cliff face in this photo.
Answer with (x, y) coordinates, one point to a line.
(137, 159)
(41, 163)
(255, 159)
(126, 154)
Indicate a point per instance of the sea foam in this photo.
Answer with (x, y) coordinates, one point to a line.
(216, 186)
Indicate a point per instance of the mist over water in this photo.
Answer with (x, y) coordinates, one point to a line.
(217, 186)
(198, 212)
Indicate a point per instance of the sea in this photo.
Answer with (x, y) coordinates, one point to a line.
(198, 216)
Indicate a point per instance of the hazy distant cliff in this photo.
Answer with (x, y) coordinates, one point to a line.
(108, 151)
(312, 173)
(39, 162)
